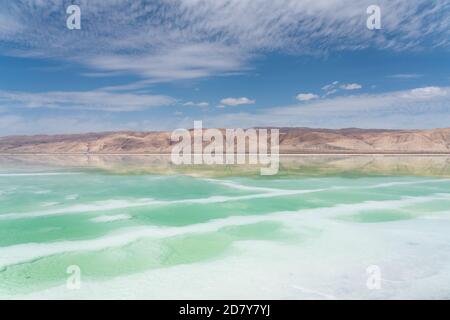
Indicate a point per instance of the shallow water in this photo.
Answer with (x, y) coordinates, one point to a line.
(139, 229)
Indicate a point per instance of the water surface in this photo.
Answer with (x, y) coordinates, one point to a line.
(138, 227)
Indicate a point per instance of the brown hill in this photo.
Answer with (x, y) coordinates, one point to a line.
(292, 140)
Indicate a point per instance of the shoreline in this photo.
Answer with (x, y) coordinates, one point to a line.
(281, 154)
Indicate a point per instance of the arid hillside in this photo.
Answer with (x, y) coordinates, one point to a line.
(292, 140)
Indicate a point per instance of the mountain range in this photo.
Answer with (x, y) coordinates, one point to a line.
(292, 141)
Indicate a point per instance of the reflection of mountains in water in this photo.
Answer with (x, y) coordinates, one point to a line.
(292, 140)
(300, 165)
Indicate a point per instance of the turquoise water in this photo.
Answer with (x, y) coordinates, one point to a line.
(147, 235)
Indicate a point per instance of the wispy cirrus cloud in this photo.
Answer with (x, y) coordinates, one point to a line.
(335, 87)
(405, 76)
(164, 41)
(196, 104)
(331, 88)
(80, 123)
(8, 26)
(177, 63)
(84, 100)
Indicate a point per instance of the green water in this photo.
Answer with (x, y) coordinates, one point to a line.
(147, 235)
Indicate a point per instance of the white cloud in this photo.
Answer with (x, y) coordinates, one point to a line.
(237, 101)
(426, 92)
(351, 86)
(405, 76)
(196, 104)
(426, 107)
(417, 108)
(306, 96)
(84, 100)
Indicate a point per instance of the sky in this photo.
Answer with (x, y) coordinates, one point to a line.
(163, 64)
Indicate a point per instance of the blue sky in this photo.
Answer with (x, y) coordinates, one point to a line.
(157, 65)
